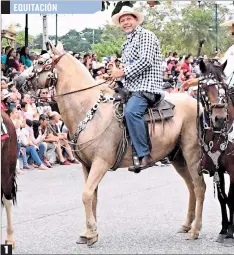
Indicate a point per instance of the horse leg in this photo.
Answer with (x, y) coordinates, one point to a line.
(192, 158)
(10, 231)
(182, 170)
(229, 240)
(83, 235)
(97, 172)
(223, 204)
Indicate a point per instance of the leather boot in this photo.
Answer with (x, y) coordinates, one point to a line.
(146, 162)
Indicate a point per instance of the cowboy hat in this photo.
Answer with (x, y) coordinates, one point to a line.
(128, 10)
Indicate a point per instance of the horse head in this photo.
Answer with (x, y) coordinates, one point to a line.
(213, 93)
(42, 73)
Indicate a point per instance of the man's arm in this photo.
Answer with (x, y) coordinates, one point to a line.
(149, 45)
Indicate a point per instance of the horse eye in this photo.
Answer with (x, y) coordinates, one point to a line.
(40, 62)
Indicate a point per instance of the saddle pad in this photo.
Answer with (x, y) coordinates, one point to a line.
(163, 111)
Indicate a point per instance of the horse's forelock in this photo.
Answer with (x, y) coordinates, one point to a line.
(215, 70)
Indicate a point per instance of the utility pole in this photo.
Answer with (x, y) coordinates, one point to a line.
(45, 31)
(56, 28)
(216, 27)
(26, 31)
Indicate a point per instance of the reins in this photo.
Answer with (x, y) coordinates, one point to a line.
(80, 90)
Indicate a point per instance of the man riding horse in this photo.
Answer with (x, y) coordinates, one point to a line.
(141, 75)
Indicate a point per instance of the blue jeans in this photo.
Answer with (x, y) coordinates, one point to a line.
(134, 111)
(37, 157)
(24, 156)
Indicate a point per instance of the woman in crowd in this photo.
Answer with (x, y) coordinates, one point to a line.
(12, 60)
(34, 148)
(24, 57)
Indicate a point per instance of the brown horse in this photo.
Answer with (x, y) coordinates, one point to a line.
(8, 174)
(217, 139)
(97, 143)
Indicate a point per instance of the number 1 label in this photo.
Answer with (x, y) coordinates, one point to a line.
(6, 249)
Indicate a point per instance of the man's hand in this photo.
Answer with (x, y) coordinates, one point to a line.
(189, 83)
(117, 73)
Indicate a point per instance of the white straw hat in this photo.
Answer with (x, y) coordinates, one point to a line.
(128, 10)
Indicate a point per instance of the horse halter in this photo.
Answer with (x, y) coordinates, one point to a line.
(53, 75)
(203, 95)
(46, 64)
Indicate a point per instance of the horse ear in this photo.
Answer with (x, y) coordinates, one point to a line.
(48, 45)
(59, 47)
(223, 66)
(202, 66)
(52, 48)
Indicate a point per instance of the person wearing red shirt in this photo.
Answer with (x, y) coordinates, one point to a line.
(186, 64)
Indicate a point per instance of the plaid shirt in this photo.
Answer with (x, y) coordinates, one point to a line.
(143, 62)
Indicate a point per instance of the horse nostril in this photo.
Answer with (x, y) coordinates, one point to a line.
(216, 118)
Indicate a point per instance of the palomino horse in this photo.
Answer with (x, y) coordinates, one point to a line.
(97, 143)
(217, 139)
(8, 174)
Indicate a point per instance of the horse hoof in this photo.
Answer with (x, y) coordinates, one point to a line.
(192, 236)
(82, 240)
(12, 243)
(184, 229)
(228, 242)
(92, 241)
(220, 238)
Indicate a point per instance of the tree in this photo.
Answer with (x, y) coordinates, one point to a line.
(20, 39)
(112, 39)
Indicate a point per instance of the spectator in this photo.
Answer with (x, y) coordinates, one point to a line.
(61, 139)
(87, 61)
(19, 124)
(24, 57)
(4, 59)
(50, 155)
(11, 60)
(31, 109)
(33, 146)
(186, 64)
(43, 106)
(94, 61)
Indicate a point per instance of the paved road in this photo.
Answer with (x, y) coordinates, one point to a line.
(136, 214)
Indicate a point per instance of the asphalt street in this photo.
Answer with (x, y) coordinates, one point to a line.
(137, 213)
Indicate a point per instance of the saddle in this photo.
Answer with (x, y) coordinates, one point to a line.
(159, 111)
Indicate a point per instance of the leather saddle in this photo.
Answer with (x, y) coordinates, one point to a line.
(158, 111)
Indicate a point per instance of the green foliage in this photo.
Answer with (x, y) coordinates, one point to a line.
(180, 27)
(112, 39)
(73, 40)
(20, 39)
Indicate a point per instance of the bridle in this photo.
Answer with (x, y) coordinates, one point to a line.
(208, 128)
(223, 100)
(51, 80)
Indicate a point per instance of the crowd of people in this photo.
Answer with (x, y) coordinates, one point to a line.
(42, 135)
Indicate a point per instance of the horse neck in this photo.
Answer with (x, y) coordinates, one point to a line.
(73, 107)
